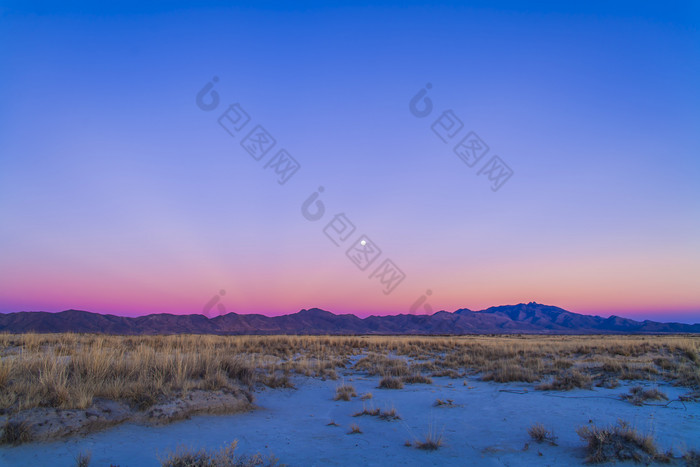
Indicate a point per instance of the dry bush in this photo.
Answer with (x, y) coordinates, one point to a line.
(389, 382)
(619, 442)
(539, 433)
(344, 392)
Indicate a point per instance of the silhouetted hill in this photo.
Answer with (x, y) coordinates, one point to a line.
(530, 318)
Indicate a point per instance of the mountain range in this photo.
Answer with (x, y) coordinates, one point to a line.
(524, 318)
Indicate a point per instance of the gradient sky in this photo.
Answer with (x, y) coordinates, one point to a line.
(118, 194)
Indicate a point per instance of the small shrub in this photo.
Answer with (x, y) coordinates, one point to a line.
(344, 392)
(389, 382)
(539, 433)
(365, 396)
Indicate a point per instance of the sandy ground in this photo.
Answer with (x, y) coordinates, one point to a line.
(488, 426)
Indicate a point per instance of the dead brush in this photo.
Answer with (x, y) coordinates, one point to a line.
(539, 433)
(619, 442)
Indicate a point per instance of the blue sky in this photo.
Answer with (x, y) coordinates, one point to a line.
(118, 194)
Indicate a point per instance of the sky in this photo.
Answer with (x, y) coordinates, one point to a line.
(367, 158)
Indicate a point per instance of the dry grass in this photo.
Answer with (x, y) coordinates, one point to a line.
(68, 371)
(571, 379)
(619, 442)
(14, 432)
(416, 379)
(431, 442)
(354, 429)
(344, 392)
(389, 382)
(540, 433)
(225, 457)
(638, 395)
(387, 415)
